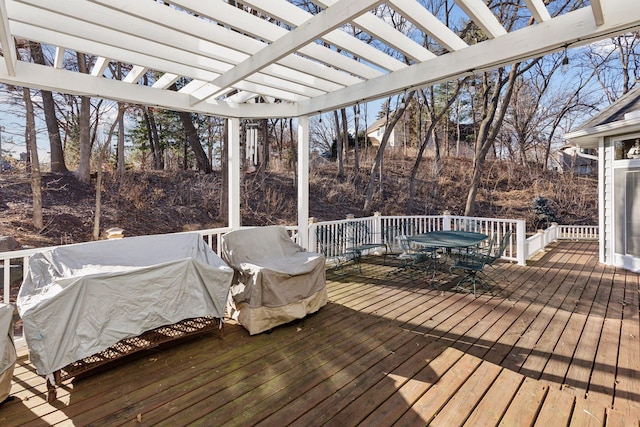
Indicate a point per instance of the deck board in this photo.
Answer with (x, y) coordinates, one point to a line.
(556, 344)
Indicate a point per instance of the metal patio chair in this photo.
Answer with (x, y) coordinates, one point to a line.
(473, 263)
(412, 259)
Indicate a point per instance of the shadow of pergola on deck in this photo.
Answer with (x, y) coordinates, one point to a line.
(557, 344)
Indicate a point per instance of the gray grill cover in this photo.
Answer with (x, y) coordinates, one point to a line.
(78, 300)
(7, 350)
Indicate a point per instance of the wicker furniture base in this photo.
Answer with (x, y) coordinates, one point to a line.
(129, 346)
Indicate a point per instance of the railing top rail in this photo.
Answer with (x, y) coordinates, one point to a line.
(29, 252)
(478, 218)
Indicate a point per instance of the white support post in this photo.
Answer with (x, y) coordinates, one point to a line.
(521, 242)
(313, 240)
(234, 172)
(303, 181)
(377, 228)
(446, 221)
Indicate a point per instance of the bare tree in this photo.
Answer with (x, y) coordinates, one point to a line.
(494, 107)
(101, 158)
(191, 132)
(36, 180)
(377, 164)
(616, 64)
(338, 142)
(48, 107)
(435, 116)
(84, 121)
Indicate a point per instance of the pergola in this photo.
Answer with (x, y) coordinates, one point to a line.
(275, 59)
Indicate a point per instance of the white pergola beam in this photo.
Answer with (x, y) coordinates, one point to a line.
(295, 16)
(428, 23)
(6, 41)
(573, 28)
(311, 30)
(226, 14)
(48, 78)
(482, 16)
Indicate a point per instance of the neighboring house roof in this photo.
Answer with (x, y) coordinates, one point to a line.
(372, 131)
(620, 117)
(381, 122)
(572, 158)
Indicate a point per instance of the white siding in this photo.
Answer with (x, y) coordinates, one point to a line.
(606, 199)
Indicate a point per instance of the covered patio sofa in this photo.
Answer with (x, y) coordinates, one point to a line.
(79, 300)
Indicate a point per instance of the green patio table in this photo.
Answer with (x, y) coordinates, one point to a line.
(448, 239)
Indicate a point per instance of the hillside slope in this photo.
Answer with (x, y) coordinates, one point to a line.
(160, 202)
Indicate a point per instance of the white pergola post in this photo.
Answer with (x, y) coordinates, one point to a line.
(303, 181)
(234, 172)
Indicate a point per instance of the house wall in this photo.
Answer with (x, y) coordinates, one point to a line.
(620, 208)
(606, 203)
(376, 137)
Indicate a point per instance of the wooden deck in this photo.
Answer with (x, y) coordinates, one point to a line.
(557, 345)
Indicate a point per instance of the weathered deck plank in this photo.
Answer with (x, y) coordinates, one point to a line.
(556, 344)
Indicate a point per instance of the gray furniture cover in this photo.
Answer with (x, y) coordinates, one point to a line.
(278, 281)
(7, 350)
(78, 300)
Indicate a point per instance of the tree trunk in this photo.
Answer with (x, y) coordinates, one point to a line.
(202, 161)
(489, 128)
(102, 157)
(293, 156)
(224, 170)
(36, 180)
(356, 148)
(345, 134)
(376, 167)
(120, 147)
(154, 139)
(84, 121)
(338, 145)
(48, 107)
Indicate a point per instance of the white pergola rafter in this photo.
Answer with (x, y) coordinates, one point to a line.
(297, 17)
(7, 42)
(428, 23)
(483, 17)
(149, 40)
(233, 63)
(596, 9)
(573, 28)
(538, 10)
(311, 30)
(223, 51)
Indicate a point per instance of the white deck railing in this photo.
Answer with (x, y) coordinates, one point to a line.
(383, 230)
(539, 241)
